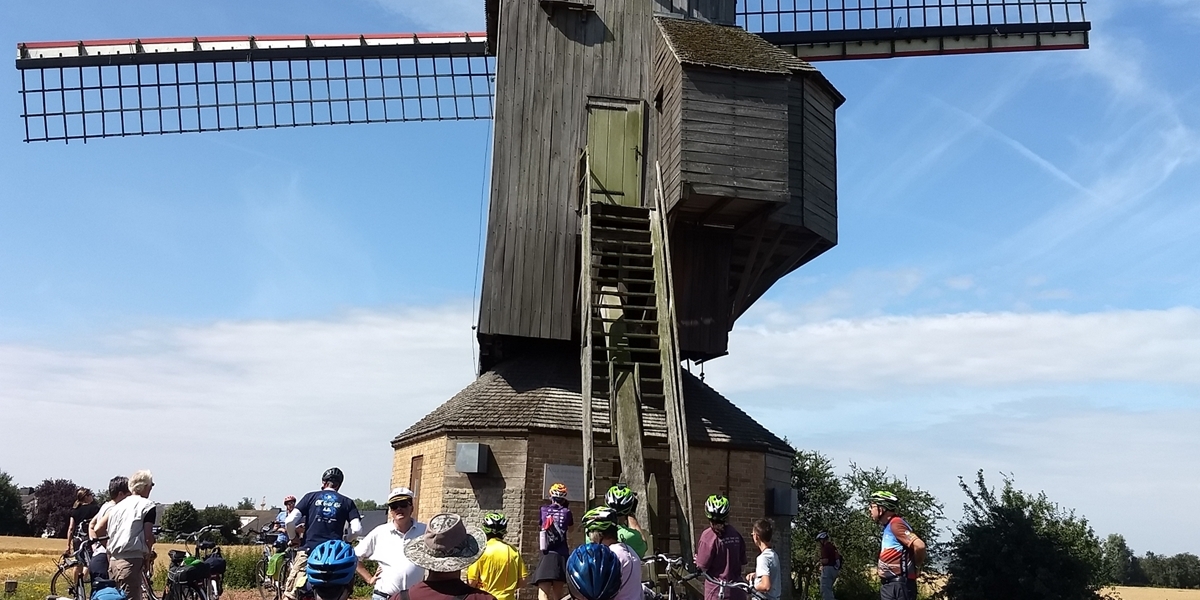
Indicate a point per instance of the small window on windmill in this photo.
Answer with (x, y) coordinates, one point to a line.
(658, 101)
(471, 458)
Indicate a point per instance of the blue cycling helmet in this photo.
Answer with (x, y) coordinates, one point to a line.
(593, 573)
(331, 563)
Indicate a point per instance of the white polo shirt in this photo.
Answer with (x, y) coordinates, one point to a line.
(385, 545)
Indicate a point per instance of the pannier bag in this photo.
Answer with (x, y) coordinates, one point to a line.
(216, 564)
(188, 572)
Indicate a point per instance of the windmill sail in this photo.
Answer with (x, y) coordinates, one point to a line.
(859, 29)
(110, 88)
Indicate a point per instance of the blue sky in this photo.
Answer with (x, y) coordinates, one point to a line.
(1014, 289)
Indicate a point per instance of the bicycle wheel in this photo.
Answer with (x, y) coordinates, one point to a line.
(148, 589)
(61, 582)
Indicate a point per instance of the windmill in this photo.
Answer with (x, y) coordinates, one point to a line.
(658, 164)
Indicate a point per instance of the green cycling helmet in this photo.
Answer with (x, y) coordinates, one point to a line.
(716, 508)
(885, 499)
(495, 523)
(622, 499)
(601, 518)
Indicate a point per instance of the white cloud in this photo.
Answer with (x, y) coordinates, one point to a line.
(439, 15)
(969, 350)
(234, 408)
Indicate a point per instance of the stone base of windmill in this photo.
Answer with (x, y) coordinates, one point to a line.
(499, 444)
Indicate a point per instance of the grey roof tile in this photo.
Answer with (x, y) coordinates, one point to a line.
(542, 392)
(725, 47)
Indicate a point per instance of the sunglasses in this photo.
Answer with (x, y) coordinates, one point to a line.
(400, 504)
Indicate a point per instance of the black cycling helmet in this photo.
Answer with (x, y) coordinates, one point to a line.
(333, 475)
(593, 573)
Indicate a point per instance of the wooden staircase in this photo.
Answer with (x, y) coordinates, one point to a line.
(630, 359)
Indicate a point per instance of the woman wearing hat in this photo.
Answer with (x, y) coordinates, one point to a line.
(444, 551)
(550, 576)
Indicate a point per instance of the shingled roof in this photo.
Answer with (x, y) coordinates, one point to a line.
(542, 393)
(725, 47)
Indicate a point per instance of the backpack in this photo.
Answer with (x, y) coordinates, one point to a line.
(109, 593)
(552, 532)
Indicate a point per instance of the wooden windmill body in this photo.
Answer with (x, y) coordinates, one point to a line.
(657, 167)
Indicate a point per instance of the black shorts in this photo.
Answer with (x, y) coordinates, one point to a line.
(553, 567)
(98, 566)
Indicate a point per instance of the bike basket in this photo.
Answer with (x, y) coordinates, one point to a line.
(188, 573)
(216, 564)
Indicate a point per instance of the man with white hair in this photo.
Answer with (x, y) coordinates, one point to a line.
(129, 527)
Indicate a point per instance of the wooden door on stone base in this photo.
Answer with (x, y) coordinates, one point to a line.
(615, 151)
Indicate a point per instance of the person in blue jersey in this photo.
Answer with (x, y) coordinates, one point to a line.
(325, 513)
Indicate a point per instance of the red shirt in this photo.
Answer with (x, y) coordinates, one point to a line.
(446, 589)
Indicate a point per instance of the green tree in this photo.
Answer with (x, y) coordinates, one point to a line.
(53, 501)
(838, 506)
(246, 503)
(823, 506)
(225, 518)
(180, 518)
(1121, 566)
(1179, 571)
(1017, 545)
(12, 514)
(366, 504)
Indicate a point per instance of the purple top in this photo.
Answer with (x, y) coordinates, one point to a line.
(721, 558)
(555, 521)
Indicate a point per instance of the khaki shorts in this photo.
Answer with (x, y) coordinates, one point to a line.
(128, 575)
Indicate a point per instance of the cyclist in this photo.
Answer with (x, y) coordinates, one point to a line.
(129, 527)
(623, 501)
(600, 524)
(118, 490)
(550, 576)
(82, 512)
(721, 551)
(330, 570)
(593, 573)
(831, 565)
(767, 576)
(500, 570)
(385, 545)
(901, 552)
(325, 513)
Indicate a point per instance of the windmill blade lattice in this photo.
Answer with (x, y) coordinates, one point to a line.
(858, 29)
(113, 88)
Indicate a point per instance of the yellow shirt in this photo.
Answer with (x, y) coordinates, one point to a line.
(499, 571)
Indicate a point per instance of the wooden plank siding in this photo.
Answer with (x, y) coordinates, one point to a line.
(548, 64)
(713, 11)
(716, 102)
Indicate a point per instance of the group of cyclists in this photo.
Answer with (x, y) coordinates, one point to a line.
(425, 561)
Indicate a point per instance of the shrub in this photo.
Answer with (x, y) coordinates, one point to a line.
(1017, 545)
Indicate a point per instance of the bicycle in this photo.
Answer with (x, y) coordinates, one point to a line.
(678, 574)
(739, 585)
(198, 574)
(85, 585)
(71, 575)
(270, 574)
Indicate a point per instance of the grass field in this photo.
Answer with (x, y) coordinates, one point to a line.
(1138, 593)
(31, 561)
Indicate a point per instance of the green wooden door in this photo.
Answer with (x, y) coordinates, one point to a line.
(615, 151)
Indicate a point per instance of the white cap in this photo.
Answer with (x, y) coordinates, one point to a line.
(400, 493)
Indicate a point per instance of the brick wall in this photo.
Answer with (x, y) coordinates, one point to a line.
(433, 451)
